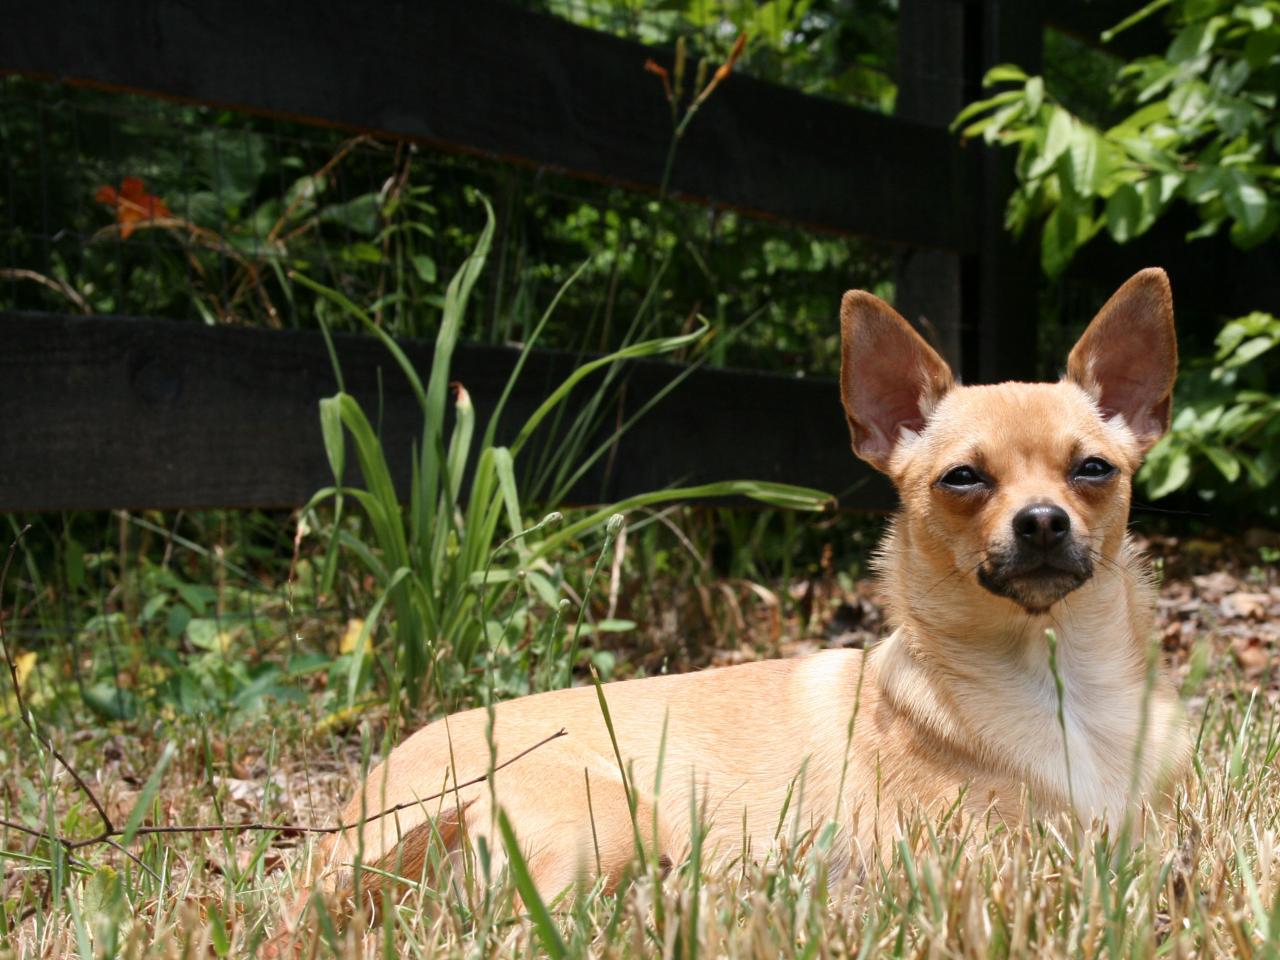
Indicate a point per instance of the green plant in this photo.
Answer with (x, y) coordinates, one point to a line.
(1202, 129)
(1229, 417)
(434, 558)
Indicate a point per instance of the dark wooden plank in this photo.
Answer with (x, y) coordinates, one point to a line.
(932, 90)
(1006, 310)
(490, 77)
(1087, 19)
(1211, 277)
(100, 413)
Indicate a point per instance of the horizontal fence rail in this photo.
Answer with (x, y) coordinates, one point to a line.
(111, 412)
(489, 77)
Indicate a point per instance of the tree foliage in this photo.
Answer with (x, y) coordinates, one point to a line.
(1198, 127)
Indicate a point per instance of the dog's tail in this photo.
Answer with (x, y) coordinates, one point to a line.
(428, 853)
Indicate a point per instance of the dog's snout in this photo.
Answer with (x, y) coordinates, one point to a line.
(1043, 525)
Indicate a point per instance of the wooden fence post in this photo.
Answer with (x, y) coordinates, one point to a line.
(981, 310)
(931, 90)
(1006, 313)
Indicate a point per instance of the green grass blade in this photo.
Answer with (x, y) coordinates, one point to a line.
(546, 929)
(370, 621)
(335, 447)
(774, 494)
(147, 796)
(492, 426)
(646, 348)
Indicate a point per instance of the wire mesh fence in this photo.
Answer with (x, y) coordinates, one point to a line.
(844, 50)
(122, 204)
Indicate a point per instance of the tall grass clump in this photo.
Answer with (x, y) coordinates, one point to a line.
(457, 603)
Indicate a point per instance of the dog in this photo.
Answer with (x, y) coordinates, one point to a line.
(1013, 523)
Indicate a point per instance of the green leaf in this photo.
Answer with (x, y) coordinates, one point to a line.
(983, 106)
(1224, 460)
(204, 634)
(1124, 213)
(109, 700)
(1034, 91)
(335, 446)
(1245, 200)
(1193, 40)
(608, 626)
(1004, 73)
(1259, 17)
(1057, 139)
(543, 924)
(424, 267)
(1251, 349)
(300, 198)
(231, 164)
(147, 796)
(1084, 151)
(1175, 472)
(359, 215)
(1066, 229)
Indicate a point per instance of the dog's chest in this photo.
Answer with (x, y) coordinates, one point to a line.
(1074, 726)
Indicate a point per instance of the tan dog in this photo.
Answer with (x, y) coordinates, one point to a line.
(1015, 501)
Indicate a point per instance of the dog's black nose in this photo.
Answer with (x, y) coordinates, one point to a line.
(1042, 525)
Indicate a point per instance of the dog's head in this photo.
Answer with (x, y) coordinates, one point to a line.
(1017, 486)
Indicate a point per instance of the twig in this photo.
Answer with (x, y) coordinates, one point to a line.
(44, 835)
(248, 827)
(53, 283)
(108, 826)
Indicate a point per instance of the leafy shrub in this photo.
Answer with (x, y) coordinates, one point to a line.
(1228, 422)
(1202, 129)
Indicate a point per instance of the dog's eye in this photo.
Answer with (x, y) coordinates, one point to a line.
(1093, 468)
(961, 477)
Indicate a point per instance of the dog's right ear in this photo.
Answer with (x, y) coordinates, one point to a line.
(890, 379)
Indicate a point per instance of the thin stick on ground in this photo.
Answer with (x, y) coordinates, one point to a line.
(23, 715)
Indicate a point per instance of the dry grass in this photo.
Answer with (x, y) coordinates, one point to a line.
(1201, 879)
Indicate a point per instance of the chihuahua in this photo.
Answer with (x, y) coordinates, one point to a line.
(1017, 677)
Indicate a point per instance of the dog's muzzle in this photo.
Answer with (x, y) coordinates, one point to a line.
(1040, 563)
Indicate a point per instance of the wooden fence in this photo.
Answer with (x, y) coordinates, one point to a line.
(106, 412)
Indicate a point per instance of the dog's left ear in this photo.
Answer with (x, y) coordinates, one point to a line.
(1128, 357)
(890, 379)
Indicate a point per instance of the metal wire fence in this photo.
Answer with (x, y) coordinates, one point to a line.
(121, 204)
(844, 50)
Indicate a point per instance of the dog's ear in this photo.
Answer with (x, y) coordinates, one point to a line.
(1128, 357)
(890, 379)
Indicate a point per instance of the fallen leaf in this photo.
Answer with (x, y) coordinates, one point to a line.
(1251, 606)
(1253, 657)
(352, 636)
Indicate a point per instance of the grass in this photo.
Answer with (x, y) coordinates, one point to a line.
(1203, 881)
(433, 557)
